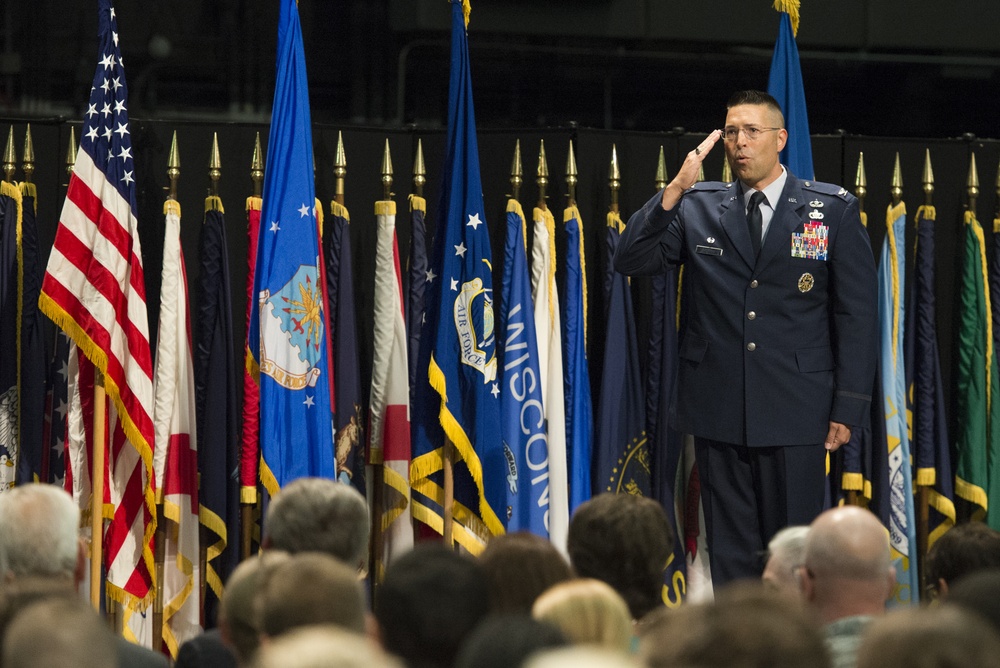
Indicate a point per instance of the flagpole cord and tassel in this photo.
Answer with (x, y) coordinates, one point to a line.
(790, 7)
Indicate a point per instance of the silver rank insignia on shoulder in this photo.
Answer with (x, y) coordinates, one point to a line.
(806, 282)
(807, 184)
(816, 204)
(842, 192)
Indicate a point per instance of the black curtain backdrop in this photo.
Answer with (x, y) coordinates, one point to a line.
(836, 160)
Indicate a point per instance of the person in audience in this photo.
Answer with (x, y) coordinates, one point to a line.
(582, 657)
(785, 554)
(935, 637)
(625, 541)
(588, 612)
(40, 541)
(963, 549)
(319, 515)
(430, 601)
(747, 626)
(322, 647)
(847, 576)
(506, 641)
(307, 589)
(58, 631)
(518, 568)
(979, 593)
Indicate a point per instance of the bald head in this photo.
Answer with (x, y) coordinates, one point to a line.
(848, 570)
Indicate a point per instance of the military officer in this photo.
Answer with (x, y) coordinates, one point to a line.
(777, 359)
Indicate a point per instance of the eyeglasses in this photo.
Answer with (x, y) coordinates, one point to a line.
(751, 132)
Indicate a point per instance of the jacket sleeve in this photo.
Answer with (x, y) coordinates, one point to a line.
(854, 315)
(652, 240)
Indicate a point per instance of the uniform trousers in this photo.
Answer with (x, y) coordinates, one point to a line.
(749, 494)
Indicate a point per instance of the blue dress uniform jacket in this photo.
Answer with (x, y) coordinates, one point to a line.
(775, 348)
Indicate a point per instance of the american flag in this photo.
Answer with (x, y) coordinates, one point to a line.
(94, 290)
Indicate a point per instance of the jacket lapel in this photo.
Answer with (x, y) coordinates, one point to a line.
(787, 217)
(734, 222)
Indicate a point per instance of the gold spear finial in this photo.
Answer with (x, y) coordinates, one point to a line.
(516, 172)
(419, 170)
(928, 178)
(973, 183)
(661, 171)
(542, 176)
(386, 172)
(861, 181)
(173, 167)
(614, 178)
(9, 157)
(571, 175)
(897, 183)
(727, 171)
(257, 168)
(214, 167)
(28, 161)
(71, 152)
(339, 170)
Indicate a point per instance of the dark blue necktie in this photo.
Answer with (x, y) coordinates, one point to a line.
(755, 221)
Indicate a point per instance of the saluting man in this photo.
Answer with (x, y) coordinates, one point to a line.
(777, 360)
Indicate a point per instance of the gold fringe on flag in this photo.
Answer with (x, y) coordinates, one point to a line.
(790, 7)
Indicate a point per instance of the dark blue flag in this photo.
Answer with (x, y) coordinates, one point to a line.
(54, 434)
(621, 451)
(288, 332)
(10, 312)
(418, 280)
(458, 391)
(579, 410)
(784, 83)
(348, 442)
(928, 423)
(217, 409)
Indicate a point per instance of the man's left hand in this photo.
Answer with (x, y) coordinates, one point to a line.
(837, 436)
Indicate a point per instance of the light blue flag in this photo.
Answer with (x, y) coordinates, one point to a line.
(785, 85)
(525, 443)
(579, 410)
(457, 392)
(902, 525)
(287, 331)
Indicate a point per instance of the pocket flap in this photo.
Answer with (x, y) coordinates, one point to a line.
(693, 348)
(815, 359)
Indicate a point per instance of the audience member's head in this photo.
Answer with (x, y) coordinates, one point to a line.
(58, 631)
(785, 554)
(239, 621)
(588, 612)
(747, 626)
(978, 592)
(623, 540)
(847, 569)
(582, 657)
(38, 533)
(319, 515)
(938, 637)
(963, 549)
(506, 641)
(311, 588)
(430, 601)
(322, 647)
(518, 568)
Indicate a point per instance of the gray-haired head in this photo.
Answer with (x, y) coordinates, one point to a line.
(785, 554)
(38, 531)
(319, 515)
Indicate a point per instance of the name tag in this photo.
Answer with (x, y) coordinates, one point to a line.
(708, 250)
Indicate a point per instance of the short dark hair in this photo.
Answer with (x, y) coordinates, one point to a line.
(625, 541)
(979, 593)
(519, 567)
(501, 641)
(963, 549)
(934, 637)
(430, 601)
(756, 97)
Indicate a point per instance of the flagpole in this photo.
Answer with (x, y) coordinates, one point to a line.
(97, 490)
(860, 190)
(378, 467)
(923, 498)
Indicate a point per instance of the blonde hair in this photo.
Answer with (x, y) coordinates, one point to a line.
(587, 611)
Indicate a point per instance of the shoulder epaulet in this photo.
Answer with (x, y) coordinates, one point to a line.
(711, 185)
(828, 189)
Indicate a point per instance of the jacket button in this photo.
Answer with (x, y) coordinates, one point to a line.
(753, 283)
(751, 346)
(751, 315)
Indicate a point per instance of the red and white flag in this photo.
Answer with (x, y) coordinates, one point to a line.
(95, 291)
(389, 416)
(176, 460)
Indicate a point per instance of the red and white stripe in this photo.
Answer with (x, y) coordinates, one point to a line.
(389, 417)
